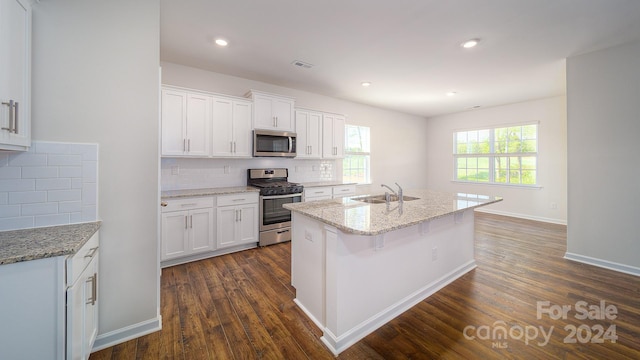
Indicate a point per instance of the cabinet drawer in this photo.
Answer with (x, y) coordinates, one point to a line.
(344, 190)
(237, 199)
(187, 204)
(314, 192)
(78, 262)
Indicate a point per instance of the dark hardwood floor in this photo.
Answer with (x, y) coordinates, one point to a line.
(240, 306)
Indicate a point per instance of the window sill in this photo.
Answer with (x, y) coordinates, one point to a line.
(530, 187)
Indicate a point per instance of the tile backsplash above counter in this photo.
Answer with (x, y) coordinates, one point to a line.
(186, 173)
(51, 184)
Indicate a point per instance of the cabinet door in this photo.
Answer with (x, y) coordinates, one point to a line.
(302, 120)
(15, 74)
(201, 230)
(248, 224)
(263, 117)
(338, 136)
(283, 112)
(174, 113)
(197, 124)
(222, 127)
(314, 135)
(174, 234)
(226, 219)
(91, 306)
(328, 148)
(242, 128)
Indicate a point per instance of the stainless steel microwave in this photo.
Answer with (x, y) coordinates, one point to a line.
(274, 143)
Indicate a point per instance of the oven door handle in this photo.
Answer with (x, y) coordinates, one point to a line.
(269, 197)
(290, 144)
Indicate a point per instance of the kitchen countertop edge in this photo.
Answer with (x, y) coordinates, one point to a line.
(185, 193)
(44, 242)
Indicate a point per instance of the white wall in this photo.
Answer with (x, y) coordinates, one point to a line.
(603, 90)
(397, 139)
(95, 80)
(552, 160)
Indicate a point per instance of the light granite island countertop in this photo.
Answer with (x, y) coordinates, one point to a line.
(357, 217)
(357, 265)
(44, 242)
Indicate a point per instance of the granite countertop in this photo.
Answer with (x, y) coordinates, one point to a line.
(362, 218)
(173, 194)
(44, 242)
(325, 183)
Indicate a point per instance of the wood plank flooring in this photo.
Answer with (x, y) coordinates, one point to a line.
(240, 306)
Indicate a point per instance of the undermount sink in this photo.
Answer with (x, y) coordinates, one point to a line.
(379, 199)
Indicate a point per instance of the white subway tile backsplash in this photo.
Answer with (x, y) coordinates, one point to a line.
(27, 197)
(70, 171)
(17, 185)
(13, 223)
(51, 184)
(39, 172)
(27, 159)
(64, 160)
(39, 209)
(10, 172)
(9, 210)
(64, 195)
(51, 220)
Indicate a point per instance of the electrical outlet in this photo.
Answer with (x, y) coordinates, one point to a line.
(308, 236)
(314, 167)
(175, 170)
(553, 205)
(227, 169)
(434, 253)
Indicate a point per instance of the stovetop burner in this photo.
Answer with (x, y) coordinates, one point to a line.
(272, 182)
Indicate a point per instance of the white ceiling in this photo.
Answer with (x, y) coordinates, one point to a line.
(408, 49)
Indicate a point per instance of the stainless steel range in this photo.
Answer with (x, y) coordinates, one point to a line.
(275, 190)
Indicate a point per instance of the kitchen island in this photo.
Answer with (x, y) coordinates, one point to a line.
(357, 262)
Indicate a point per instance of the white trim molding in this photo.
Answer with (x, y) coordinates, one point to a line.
(631, 270)
(127, 333)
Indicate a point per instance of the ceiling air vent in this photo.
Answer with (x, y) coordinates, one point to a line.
(302, 64)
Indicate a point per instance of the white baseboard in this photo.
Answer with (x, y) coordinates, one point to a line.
(631, 270)
(338, 344)
(523, 216)
(119, 336)
(309, 315)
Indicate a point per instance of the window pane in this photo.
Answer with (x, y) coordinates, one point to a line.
(529, 177)
(530, 132)
(514, 177)
(462, 174)
(472, 162)
(529, 162)
(529, 146)
(462, 163)
(483, 163)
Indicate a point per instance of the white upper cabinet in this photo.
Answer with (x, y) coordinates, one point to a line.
(332, 136)
(231, 127)
(272, 112)
(15, 75)
(309, 134)
(186, 119)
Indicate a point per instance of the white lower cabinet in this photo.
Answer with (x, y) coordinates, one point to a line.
(187, 227)
(344, 190)
(50, 306)
(237, 219)
(82, 303)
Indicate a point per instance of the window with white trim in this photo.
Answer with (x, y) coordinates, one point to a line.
(356, 165)
(501, 155)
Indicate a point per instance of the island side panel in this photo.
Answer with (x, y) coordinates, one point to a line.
(368, 285)
(307, 266)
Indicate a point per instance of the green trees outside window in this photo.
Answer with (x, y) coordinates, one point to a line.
(505, 155)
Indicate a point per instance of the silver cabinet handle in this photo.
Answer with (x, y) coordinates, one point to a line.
(186, 222)
(191, 221)
(231, 146)
(238, 199)
(240, 212)
(13, 113)
(184, 144)
(94, 289)
(189, 145)
(234, 147)
(92, 252)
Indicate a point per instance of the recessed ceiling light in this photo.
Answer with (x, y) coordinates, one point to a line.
(366, 84)
(470, 43)
(475, 107)
(452, 93)
(222, 42)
